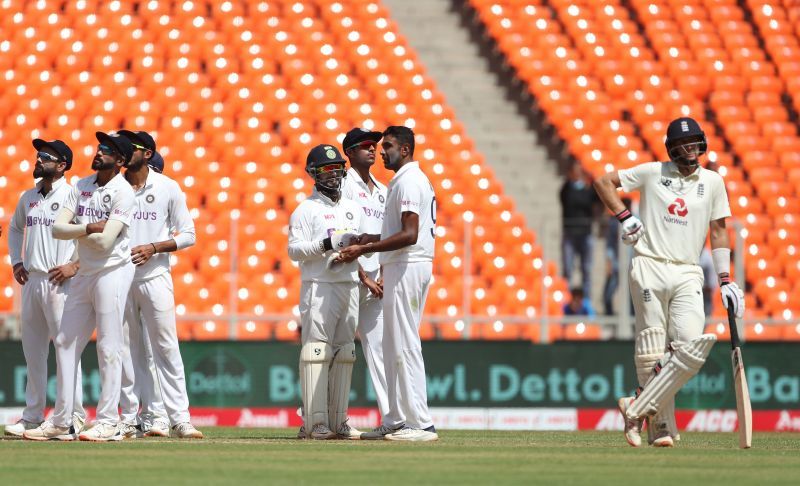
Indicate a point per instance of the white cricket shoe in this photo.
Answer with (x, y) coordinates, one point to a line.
(345, 431)
(129, 431)
(19, 428)
(102, 432)
(186, 430)
(301, 434)
(633, 428)
(48, 431)
(78, 423)
(159, 428)
(322, 432)
(408, 434)
(663, 439)
(380, 432)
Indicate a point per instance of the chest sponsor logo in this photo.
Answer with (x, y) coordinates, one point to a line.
(86, 193)
(150, 198)
(145, 215)
(372, 213)
(34, 204)
(39, 221)
(678, 208)
(54, 207)
(362, 195)
(92, 213)
(329, 216)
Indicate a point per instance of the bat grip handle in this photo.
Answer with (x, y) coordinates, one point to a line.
(735, 342)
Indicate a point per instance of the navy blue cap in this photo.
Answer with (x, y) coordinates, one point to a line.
(59, 147)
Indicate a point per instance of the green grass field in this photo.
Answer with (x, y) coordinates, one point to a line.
(273, 456)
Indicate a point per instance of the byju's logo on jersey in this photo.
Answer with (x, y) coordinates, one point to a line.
(678, 208)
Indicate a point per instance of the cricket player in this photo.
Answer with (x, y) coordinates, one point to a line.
(681, 203)
(406, 244)
(150, 311)
(97, 213)
(44, 273)
(361, 187)
(322, 225)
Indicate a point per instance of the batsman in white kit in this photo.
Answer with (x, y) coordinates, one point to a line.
(681, 203)
(321, 225)
(97, 213)
(361, 187)
(43, 267)
(149, 323)
(406, 246)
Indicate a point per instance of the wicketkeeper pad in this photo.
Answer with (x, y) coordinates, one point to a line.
(339, 379)
(685, 362)
(315, 358)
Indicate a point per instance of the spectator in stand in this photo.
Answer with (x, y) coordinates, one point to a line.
(578, 205)
(579, 305)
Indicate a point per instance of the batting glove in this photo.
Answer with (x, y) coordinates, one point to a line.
(632, 227)
(731, 291)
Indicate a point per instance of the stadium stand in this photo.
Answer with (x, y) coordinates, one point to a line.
(609, 76)
(235, 94)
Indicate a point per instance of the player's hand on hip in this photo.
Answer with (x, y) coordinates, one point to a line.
(61, 273)
(20, 274)
(632, 230)
(732, 292)
(142, 253)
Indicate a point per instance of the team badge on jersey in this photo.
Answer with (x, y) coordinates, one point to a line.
(666, 182)
(349, 215)
(54, 207)
(647, 296)
(700, 190)
(150, 198)
(107, 198)
(381, 198)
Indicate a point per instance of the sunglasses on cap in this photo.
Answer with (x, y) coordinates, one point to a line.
(105, 149)
(45, 157)
(365, 145)
(139, 147)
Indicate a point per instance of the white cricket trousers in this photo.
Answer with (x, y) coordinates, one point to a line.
(150, 328)
(42, 308)
(328, 312)
(669, 296)
(370, 331)
(94, 302)
(405, 289)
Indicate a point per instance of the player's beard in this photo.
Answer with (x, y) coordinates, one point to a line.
(392, 161)
(98, 164)
(39, 171)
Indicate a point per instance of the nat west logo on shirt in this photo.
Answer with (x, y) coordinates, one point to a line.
(678, 208)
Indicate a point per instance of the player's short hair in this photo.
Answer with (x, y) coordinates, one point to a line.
(404, 135)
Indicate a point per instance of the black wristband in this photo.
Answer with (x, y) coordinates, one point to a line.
(326, 244)
(623, 215)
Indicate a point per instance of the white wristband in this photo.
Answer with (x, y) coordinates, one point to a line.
(722, 260)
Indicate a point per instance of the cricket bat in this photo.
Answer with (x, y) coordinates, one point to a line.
(743, 407)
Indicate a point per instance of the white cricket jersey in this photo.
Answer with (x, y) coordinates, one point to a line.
(92, 204)
(410, 191)
(676, 210)
(160, 208)
(315, 219)
(34, 217)
(372, 206)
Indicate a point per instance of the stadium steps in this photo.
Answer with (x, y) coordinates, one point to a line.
(434, 28)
